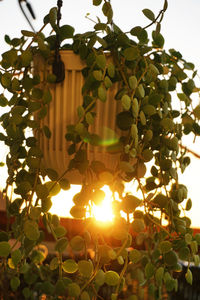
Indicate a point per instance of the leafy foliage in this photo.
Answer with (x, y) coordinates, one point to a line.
(150, 130)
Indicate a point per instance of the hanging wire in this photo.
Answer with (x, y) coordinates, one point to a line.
(29, 7)
(58, 65)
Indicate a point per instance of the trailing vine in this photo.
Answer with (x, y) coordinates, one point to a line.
(149, 243)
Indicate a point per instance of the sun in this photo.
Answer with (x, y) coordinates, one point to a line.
(62, 203)
(104, 212)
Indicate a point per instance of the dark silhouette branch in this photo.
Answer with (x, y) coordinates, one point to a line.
(190, 151)
(29, 7)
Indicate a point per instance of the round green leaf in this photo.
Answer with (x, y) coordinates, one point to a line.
(161, 200)
(31, 230)
(6, 80)
(194, 247)
(48, 288)
(188, 238)
(4, 249)
(73, 290)
(167, 124)
(149, 14)
(111, 70)
(188, 205)
(170, 258)
(138, 225)
(100, 277)
(149, 110)
(165, 246)
(101, 61)
(135, 256)
(47, 131)
(126, 102)
(85, 268)
(46, 204)
(153, 69)
(3, 101)
(52, 174)
(197, 238)
(80, 111)
(53, 188)
(196, 260)
(26, 292)
(35, 213)
(60, 231)
(66, 32)
(89, 118)
(14, 283)
(55, 220)
(97, 75)
(61, 245)
(77, 243)
(85, 296)
(97, 2)
(120, 260)
(60, 287)
(158, 39)
(184, 253)
(147, 155)
(108, 83)
(129, 203)
(135, 107)
(16, 256)
(132, 82)
(142, 118)
(141, 91)
(102, 94)
(112, 278)
(53, 16)
(124, 120)
(131, 53)
(189, 277)
(26, 58)
(28, 33)
(149, 270)
(70, 266)
(196, 112)
(78, 211)
(54, 263)
(141, 170)
(159, 275)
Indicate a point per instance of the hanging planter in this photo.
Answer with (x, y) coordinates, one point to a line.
(66, 109)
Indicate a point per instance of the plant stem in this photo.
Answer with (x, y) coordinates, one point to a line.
(36, 35)
(92, 277)
(16, 241)
(161, 15)
(122, 274)
(160, 226)
(122, 247)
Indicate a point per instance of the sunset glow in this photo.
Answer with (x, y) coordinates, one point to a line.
(104, 211)
(62, 203)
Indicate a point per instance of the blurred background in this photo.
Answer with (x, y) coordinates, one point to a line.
(180, 28)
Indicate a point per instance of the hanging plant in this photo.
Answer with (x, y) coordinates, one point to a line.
(129, 81)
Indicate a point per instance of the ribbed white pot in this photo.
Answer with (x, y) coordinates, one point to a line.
(66, 97)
